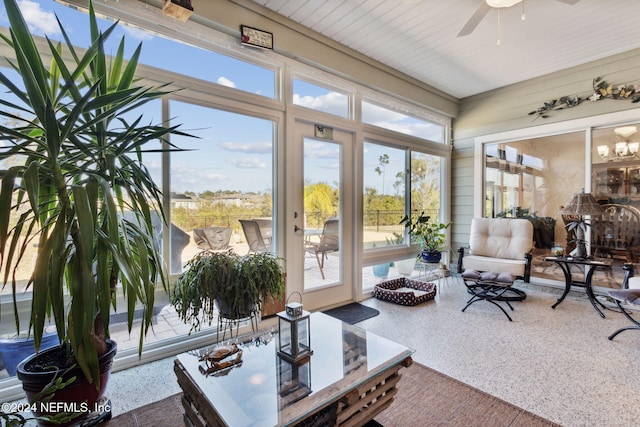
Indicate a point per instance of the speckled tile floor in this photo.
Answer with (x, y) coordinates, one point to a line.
(557, 364)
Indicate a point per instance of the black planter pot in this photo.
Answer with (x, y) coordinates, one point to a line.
(79, 396)
(431, 256)
(249, 310)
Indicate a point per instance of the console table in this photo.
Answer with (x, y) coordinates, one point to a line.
(350, 378)
(591, 264)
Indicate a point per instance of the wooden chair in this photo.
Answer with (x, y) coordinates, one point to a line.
(329, 242)
(617, 233)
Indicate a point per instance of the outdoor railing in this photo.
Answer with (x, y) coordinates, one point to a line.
(379, 220)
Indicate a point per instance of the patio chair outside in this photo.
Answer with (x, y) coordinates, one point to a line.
(212, 238)
(254, 237)
(329, 242)
(266, 229)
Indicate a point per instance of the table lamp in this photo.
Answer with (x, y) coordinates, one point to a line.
(581, 205)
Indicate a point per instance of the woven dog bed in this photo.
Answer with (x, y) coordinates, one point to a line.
(405, 291)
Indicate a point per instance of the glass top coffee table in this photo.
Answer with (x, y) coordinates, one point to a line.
(349, 379)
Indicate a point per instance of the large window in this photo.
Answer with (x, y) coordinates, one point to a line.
(320, 98)
(223, 176)
(397, 182)
(401, 122)
(158, 51)
(384, 195)
(426, 184)
(22, 275)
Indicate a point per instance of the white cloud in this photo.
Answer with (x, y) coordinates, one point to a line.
(225, 82)
(318, 150)
(378, 115)
(249, 163)
(137, 33)
(40, 21)
(187, 178)
(332, 102)
(248, 147)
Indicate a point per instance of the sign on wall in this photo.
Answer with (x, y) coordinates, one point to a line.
(254, 37)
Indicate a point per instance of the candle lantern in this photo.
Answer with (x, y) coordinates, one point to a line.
(294, 309)
(294, 332)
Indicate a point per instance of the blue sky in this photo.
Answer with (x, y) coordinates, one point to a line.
(234, 152)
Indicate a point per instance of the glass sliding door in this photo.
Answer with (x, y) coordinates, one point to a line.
(533, 179)
(319, 220)
(615, 184)
(322, 213)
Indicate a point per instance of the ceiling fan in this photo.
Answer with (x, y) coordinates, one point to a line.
(486, 6)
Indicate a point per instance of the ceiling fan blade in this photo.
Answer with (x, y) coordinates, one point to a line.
(569, 2)
(475, 19)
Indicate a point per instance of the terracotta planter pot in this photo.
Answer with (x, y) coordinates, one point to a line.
(80, 396)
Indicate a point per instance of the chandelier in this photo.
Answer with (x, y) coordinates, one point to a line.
(622, 150)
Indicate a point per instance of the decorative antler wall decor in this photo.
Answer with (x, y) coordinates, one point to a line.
(601, 90)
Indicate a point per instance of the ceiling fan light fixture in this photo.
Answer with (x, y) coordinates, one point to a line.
(502, 3)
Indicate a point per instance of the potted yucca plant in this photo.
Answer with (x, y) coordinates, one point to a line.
(73, 184)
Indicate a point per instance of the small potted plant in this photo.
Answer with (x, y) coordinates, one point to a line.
(431, 236)
(578, 229)
(226, 284)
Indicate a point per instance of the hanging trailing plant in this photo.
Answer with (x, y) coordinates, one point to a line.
(227, 284)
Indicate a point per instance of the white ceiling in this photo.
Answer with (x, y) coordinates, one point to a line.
(418, 37)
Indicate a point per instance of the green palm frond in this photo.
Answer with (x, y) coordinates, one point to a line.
(82, 173)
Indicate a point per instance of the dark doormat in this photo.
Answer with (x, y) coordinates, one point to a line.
(352, 313)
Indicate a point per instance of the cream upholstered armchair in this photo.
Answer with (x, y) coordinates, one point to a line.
(500, 245)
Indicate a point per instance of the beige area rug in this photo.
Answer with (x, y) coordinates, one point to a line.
(425, 398)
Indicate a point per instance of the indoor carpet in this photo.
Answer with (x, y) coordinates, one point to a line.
(352, 313)
(425, 398)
